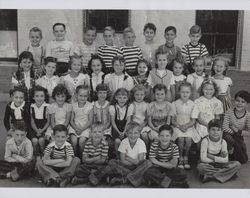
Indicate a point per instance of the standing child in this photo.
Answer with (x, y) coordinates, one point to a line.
(224, 83)
(58, 164)
(236, 125)
(131, 53)
(196, 78)
(214, 156)
(194, 48)
(184, 131)
(88, 47)
(60, 48)
(35, 37)
(81, 119)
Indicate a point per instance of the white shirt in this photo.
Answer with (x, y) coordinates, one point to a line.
(140, 110)
(39, 110)
(195, 80)
(121, 111)
(177, 79)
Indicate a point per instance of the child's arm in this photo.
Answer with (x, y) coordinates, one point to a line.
(124, 159)
(169, 95)
(7, 118)
(47, 123)
(72, 122)
(204, 157)
(8, 154)
(67, 120)
(168, 165)
(65, 163)
(114, 124)
(131, 160)
(51, 162)
(189, 124)
(150, 124)
(226, 124)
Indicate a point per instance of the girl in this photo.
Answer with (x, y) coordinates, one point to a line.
(74, 78)
(17, 110)
(119, 79)
(207, 107)
(219, 69)
(177, 79)
(49, 81)
(39, 119)
(60, 110)
(81, 119)
(184, 131)
(121, 113)
(143, 78)
(236, 125)
(196, 78)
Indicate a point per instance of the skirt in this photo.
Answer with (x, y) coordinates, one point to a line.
(226, 102)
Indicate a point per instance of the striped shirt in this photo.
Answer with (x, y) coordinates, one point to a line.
(163, 155)
(107, 53)
(94, 151)
(59, 153)
(190, 52)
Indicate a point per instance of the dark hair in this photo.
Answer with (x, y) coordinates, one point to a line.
(96, 57)
(244, 95)
(119, 58)
(169, 28)
(89, 27)
(167, 128)
(160, 87)
(225, 60)
(160, 51)
(57, 24)
(175, 61)
(76, 57)
(150, 26)
(60, 89)
(25, 55)
(185, 84)
(18, 89)
(195, 29)
(85, 87)
(36, 29)
(104, 87)
(214, 123)
(39, 88)
(50, 59)
(122, 91)
(20, 125)
(208, 82)
(147, 63)
(60, 127)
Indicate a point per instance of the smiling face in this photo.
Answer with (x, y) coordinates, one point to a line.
(59, 32)
(18, 98)
(50, 68)
(129, 38)
(60, 99)
(215, 134)
(185, 93)
(102, 95)
(108, 37)
(89, 37)
(149, 34)
(160, 95)
(60, 138)
(240, 104)
(134, 134)
(142, 69)
(208, 91)
(177, 69)
(82, 96)
(97, 134)
(194, 38)
(39, 98)
(19, 136)
(219, 67)
(122, 99)
(162, 61)
(118, 67)
(170, 36)
(139, 95)
(96, 66)
(165, 138)
(35, 38)
(76, 65)
(199, 67)
(26, 64)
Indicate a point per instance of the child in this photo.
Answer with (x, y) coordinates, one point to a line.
(177, 79)
(164, 156)
(81, 119)
(108, 51)
(207, 107)
(121, 113)
(94, 156)
(196, 78)
(60, 48)
(39, 119)
(16, 110)
(17, 162)
(49, 81)
(60, 110)
(88, 47)
(184, 131)
(224, 83)
(236, 125)
(173, 51)
(119, 79)
(214, 156)
(58, 164)
(194, 48)
(130, 52)
(161, 75)
(35, 37)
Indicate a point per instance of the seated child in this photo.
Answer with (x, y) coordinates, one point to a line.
(58, 165)
(214, 156)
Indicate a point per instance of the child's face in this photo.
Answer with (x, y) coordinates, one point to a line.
(26, 64)
(240, 104)
(208, 91)
(96, 66)
(118, 67)
(165, 137)
(108, 37)
(76, 65)
(89, 37)
(139, 95)
(177, 69)
(215, 133)
(170, 36)
(219, 67)
(149, 34)
(142, 69)
(198, 67)
(134, 134)
(50, 68)
(185, 93)
(60, 99)
(102, 95)
(59, 32)
(162, 61)
(194, 38)
(160, 95)
(18, 98)
(82, 96)
(60, 138)
(39, 97)
(97, 134)
(35, 38)
(129, 39)
(121, 99)
(19, 136)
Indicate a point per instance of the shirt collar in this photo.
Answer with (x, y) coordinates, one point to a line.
(53, 144)
(99, 106)
(43, 105)
(94, 74)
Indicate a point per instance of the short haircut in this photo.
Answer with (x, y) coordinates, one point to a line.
(149, 26)
(214, 123)
(208, 82)
(199, 58)
(50, 59)
(158, 52)
(60, 89)
(96, 57)
(57, 24)
(185, 84)
(167, 128)
(128, 30)
(20, 125)
(147, 63)
(60, 128)
(120, 91)
(195, 29)
(25, 55)
(36, 29)
(84, 87)
(160, 87)
(102, 87)
(109, 28)
(244, 95)
(40, 88)
(18, 89)
(169, 28)
(220, 58)
(132, 125)
(119, 58)
(89, 27)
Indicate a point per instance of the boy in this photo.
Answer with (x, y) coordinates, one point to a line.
(87, 47)
(173, 51)
(164, 156)
(94, 155)
(194, 48)
(60, 48)
(130, 52)
(108, 51)
(17, 162)
(58, 164)
(132, 163)
(214, 156)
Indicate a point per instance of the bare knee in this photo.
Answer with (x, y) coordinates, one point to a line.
(34, 141)
(73, 140)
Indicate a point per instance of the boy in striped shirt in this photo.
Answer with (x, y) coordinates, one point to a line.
(194, 48)
(130, 52)
(164, 156)
(58, 164)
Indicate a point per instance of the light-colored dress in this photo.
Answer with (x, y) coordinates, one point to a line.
(48, 83)
(140, 111)
(196, 81)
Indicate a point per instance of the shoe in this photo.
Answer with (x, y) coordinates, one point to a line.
(77, 180)
(181, 164)
(186, 165)
(64, 182)
(14, 175)
(93, 180)
(116, 181)
(2, 175)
